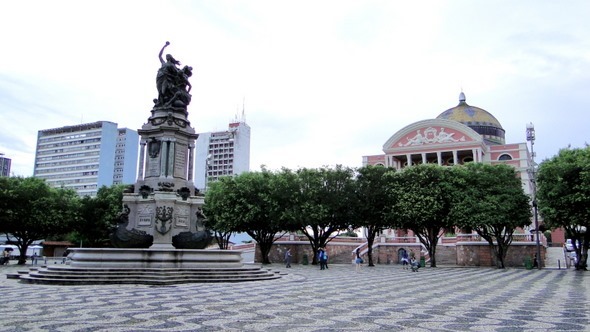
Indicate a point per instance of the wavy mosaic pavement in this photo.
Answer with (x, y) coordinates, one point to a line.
(307, 299)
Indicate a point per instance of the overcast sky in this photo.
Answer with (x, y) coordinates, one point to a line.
(322, 82)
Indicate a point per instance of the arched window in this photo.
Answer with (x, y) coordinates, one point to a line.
(505, 157)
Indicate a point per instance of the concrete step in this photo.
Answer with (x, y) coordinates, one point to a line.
(151, 276)
(139, 281)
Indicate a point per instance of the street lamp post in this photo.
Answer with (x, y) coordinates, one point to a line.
(530, 137)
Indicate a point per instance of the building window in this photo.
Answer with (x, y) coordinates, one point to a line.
(505, 157)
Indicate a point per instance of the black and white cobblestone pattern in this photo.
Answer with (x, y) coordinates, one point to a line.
(381, 298)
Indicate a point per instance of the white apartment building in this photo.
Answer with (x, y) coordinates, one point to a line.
(222, 153)
(125, 156)
(86, 157)
(4, 165)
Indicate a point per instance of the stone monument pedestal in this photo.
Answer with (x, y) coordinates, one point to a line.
(154, 258)
(161, 227)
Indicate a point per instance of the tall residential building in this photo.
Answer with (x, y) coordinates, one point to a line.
(222, 153)
(86, 157)
(4, 165)
(125, 156)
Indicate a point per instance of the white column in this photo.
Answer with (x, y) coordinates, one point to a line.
(455, 157)
(190, 162)
(164, 159)
(439, 158)
(474, 153)
(409, 157)
(141, 160)
(480, 154)
(171, 156)
(424, 161)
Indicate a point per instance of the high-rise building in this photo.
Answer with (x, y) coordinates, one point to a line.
(4, 165)
(125, 156)
(86, 157)
(222, 153)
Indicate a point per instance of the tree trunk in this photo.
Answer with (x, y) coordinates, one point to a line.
(500, 254)
(432, 239)
(264, 251)
(222, 239)
(370, 241)
(432, 254)
(23, 244)
(314, 243)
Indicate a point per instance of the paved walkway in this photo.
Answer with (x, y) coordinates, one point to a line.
(555, 258)
(384, 298)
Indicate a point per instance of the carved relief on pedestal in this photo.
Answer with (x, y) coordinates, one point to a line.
(163, 219)
(145, 215)
(180, 159)
(153, 167)
(182, 216)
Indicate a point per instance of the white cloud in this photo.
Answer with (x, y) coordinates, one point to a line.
(324, 82)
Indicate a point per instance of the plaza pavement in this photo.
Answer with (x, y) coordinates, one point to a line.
(381, 298)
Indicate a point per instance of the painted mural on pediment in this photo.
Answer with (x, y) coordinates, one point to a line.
(432, 135)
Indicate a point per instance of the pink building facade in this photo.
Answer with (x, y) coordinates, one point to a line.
(459, 135)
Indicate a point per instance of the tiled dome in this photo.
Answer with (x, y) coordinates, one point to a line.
(477, 119)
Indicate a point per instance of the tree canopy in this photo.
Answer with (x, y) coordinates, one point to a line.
(252, 202)
(99, 216)
(563, 196)
(491, 201)
(31, 210)
(371, 203)
(424, 196)
(323, 204)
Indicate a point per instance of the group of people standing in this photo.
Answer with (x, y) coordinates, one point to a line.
(322, 257)
(409, 263)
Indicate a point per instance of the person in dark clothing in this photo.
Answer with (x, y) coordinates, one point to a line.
(288, 258)
(323, 258)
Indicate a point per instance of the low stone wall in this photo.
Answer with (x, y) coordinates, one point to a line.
(338, 252)
(481, 254)
(446, 254)
(474, 253)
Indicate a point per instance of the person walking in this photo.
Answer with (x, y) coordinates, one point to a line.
(322, 258)
(5, 256)
(288, 258)
(358, 261)
(405, 260)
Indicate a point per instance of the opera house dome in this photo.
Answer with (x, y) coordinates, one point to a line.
(477, 119)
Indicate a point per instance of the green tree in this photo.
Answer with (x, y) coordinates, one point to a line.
(493, 203)
(563, 197)
(252, 202)
(372, 203)
(219, 211)
(99, 216)
(323, 204)
(423, 197)
(30, 210)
